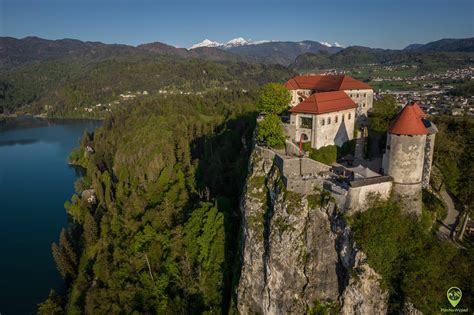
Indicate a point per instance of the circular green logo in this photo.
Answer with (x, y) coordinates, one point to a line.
(454, 295)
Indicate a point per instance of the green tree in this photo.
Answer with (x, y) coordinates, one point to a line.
(414, 263)
(65, 256)
(90, 229)
(274, 98)
(384, 112)
(270, 131)
(52, 305)
(204, 239)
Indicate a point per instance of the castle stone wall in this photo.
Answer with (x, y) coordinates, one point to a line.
(405, 158)
(408, 197)
(428, 159)
(404, 161)
(360, 197)
(363, 98)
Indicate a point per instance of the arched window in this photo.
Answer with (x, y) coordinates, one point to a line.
(304, 137)
(300, 99)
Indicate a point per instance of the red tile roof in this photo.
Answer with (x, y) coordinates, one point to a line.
(325, 83)
(324, 102)
(417, 109)
(409, 122)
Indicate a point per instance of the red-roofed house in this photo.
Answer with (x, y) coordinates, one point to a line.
(302, 86)
(323, 119)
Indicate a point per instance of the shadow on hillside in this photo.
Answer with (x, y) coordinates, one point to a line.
(223, 157)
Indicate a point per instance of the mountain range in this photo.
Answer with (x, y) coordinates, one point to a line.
(15, 52)
(447, 44)
(240, 41)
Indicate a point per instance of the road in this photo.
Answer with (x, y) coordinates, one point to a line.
(449, 223)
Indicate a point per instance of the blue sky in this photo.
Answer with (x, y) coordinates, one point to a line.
(374, 23)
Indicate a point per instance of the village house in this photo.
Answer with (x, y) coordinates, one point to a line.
(325, 109)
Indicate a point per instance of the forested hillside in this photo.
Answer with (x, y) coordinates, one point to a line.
(64, 87)
(163, 234)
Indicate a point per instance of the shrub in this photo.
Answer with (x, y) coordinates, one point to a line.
(270, 132)
(326, 155)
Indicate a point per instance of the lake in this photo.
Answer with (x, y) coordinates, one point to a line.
(35, 181)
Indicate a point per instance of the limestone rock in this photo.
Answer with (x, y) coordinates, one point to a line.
(409, 309)
(297, 250)
(363, 295)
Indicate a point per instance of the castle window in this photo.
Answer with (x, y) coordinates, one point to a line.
(306, 122)
(349, 116)
(365, 94)
(357, 94)
(322, 122)
(342, 117)
(329, 120)
(335, 119)
(363, 104)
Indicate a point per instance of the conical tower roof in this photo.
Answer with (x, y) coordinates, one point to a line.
(417, 109)
(409, 122)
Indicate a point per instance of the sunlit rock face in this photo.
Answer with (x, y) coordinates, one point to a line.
(297, 250)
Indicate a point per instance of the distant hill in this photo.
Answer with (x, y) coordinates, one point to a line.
(358, 56)
(447, 44)
(16, 52)
(299, 56)
(413, 46)
(281, 52)
(209, 53)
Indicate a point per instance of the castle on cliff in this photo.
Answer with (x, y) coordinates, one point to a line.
(328, 110)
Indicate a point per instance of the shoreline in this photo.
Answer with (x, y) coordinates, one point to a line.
(4, 118)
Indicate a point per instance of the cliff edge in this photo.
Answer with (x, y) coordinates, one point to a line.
(297, 251)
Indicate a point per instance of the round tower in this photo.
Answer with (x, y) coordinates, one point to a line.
(404, 157)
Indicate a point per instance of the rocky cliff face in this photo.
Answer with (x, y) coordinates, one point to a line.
(297, 251)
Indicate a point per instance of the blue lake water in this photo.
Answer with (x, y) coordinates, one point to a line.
(35, 181)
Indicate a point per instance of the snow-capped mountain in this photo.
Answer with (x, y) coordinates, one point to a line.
(282, 52)
(239, 41)
(206, 43)
(336, 44)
